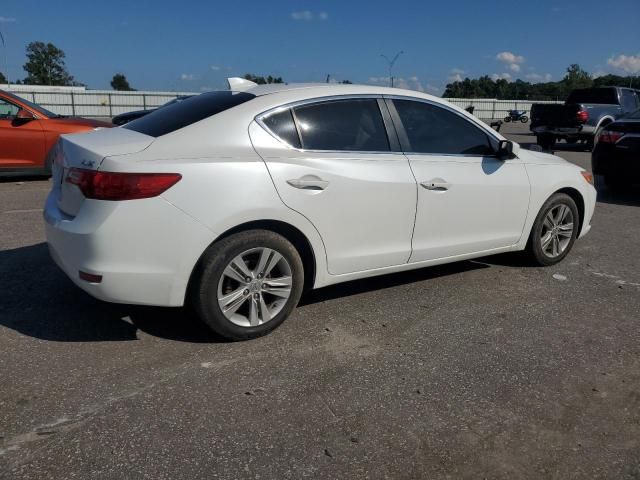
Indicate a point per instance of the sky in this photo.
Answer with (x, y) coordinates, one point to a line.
(194, 45)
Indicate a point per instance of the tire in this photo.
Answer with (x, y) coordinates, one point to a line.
(545, 140)
(215, 283)
(524, 119)
(546, 255)
(507, 119)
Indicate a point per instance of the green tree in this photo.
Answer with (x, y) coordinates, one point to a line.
(262, 80)
(45, 65)
(3, 79)
(120, 82)
(576, 77)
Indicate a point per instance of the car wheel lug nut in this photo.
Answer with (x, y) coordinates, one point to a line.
(246, 292)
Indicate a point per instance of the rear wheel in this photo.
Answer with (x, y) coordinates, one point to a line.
(507, 119)
(554, 230)
(545, 140)
(247, 284)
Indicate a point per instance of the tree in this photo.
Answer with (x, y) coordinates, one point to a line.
(120, 82)
(576, 77)
(262, 80)
(3, 79)
(45, 65)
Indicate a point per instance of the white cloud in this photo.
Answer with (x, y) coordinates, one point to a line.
(308, 15)
(456, 75)
(598, 74)
(626, 63)
(215, 68)
(504, 76)
(537, 78)
(8, 20)
(508, 57)
(188, 77)
(511, 60)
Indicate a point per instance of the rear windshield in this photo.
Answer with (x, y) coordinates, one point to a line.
(180, 114)
(606, 96)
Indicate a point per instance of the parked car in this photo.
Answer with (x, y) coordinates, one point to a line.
(27, 133)
(616, 155)
(585, 112)
(127, 117)
(232, 202)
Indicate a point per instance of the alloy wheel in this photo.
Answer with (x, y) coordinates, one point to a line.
(254, 287)
(557, 230)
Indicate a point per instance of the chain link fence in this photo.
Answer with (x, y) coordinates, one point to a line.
(107, 103)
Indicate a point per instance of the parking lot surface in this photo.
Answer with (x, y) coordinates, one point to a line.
(478, 369)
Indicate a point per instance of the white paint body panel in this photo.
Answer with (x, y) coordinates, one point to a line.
(234, 172)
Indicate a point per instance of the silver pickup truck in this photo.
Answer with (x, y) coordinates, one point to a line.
(583, 114)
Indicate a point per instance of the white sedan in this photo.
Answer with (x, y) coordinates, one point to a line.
(235, 201)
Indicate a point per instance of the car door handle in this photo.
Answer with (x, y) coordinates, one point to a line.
(308, 183)
(437, 185)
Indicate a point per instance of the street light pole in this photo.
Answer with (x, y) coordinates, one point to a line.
(391, 63)
(6, 67)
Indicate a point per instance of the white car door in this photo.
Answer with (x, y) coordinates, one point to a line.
(469, 201)
(332, 161)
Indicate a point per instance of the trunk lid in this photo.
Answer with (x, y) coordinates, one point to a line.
(87, 151)
(554, 116)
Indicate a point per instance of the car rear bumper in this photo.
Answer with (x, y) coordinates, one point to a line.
(564, 131)
(607, 161)
(144, 250)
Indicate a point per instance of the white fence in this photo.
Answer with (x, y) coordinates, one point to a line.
(107, 103)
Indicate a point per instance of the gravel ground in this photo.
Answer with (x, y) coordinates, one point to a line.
(478, 369)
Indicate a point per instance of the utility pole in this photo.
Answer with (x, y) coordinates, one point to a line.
(328, 77)
(391, 63)
(6, 66)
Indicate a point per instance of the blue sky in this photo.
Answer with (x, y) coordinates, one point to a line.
(194, 45)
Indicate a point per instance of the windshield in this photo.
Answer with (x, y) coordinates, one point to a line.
(178, 115)
(32, 105)
(604, 96)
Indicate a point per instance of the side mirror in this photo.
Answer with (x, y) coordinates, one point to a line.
(24, 115)
(505, 150)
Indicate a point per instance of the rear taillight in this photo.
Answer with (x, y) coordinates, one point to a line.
(582, 116)
(120, 186)
(609, 136)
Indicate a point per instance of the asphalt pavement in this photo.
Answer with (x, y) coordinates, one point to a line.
(479, 369)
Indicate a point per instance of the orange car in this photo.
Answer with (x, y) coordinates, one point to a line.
(27, 133)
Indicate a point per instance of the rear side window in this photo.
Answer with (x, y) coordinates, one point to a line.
(7, 110)
(344, 125)
(433, 129)
(181, 114)
(283, 126)
(604, 96)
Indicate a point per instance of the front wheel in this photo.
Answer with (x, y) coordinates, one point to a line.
(524, 119)
(554, 230)
(247, 284)
(507, 119)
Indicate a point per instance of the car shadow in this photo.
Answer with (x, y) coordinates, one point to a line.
(382, 282)
(38, 300)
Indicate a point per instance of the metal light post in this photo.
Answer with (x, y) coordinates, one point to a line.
(6, 66)
(391, 64)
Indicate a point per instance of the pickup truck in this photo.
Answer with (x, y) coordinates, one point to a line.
(585, 112)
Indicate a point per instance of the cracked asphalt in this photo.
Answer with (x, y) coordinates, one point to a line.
(479, 369)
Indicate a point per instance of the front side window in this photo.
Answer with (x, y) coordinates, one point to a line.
(433, 129)
(343, 125)
(7, 110)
